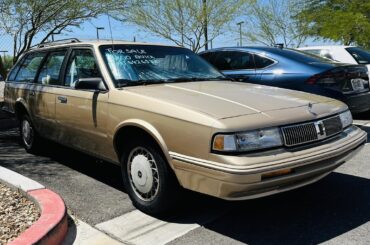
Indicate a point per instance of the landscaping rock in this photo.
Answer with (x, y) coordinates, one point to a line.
(17, 213)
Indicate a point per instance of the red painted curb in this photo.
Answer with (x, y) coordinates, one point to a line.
(52, 226)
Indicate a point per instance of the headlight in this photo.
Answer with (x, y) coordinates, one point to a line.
(346, 119)
(248, 141)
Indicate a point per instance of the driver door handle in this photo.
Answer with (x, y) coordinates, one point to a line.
(32, 93)
(63, 99)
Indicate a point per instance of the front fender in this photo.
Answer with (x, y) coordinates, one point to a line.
(148, 128)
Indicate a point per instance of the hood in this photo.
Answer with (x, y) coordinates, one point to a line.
(223, 99)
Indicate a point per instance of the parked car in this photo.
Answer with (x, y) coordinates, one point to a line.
(292, 69)
(170, 119)
(344, 54)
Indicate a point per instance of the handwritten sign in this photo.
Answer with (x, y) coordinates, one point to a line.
(132, 56)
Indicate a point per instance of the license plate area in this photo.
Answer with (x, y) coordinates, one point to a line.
(358, 84)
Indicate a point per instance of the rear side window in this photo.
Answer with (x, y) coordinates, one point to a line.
(50, 71)
(325, 53)
(82, 64)
(299, 56)
(262, 62)
(233, 60)
(29, 67)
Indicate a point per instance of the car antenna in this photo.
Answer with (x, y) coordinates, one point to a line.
(110, 30)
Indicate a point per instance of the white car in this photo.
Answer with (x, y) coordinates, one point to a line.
(343, 54)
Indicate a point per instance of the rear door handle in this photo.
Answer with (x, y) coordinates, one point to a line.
(62, 99)
(32, 93)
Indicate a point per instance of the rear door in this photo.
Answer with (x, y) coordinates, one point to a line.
(82, 114)
(235, 64)
(43, 93)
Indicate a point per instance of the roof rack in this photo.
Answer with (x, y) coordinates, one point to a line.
(58, 42)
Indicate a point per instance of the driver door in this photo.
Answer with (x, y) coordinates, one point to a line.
(82, 114)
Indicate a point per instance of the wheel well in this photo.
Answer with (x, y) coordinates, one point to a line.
(130, 134)
(20, 110)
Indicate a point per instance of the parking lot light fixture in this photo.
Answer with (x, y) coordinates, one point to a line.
(240, 32)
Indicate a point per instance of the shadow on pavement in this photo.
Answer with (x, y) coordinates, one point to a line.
(15, 157)
(367, 130)
(310, 215)
(362, 116)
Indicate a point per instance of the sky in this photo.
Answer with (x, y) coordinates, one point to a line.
(127, 31)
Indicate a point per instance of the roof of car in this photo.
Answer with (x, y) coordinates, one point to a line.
(324, 47)
(257, 48)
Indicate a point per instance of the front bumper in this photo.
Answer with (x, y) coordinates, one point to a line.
(245, 181)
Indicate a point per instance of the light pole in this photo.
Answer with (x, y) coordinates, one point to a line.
(240, 32)
(97, 31)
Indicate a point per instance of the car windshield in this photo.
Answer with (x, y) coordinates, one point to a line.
(132, 65)
(360, 55)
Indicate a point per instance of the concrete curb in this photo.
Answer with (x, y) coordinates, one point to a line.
(52, 226)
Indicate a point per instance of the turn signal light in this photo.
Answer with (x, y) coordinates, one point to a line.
(277, 173)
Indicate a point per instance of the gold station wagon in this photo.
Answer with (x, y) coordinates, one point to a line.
(170, 119)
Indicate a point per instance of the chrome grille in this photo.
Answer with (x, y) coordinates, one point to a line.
(310, 132)
(299, 134)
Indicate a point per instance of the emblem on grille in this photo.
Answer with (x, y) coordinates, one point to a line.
(320, 130)
(310, 107)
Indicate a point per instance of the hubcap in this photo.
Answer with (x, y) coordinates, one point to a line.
(27, 133)
(143, 174)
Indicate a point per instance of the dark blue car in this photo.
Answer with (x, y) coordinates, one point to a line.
(292, 69)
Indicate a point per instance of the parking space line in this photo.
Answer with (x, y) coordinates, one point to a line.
(140, 229)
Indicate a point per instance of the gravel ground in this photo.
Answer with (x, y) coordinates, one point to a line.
(17, 213)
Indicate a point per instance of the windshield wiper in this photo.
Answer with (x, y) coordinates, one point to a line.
(129, 83)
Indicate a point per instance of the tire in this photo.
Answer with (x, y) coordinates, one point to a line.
(154, 191)
(30, 139)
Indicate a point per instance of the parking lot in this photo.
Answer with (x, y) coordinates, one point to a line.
(334, 210)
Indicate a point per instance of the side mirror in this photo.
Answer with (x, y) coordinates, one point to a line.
(96, 84)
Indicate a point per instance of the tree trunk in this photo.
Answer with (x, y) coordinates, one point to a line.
(3, 71)
(205, 13)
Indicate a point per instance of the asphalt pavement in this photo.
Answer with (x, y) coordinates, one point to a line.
(333, 210)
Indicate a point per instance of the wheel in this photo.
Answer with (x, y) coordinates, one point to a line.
(30, 139)
(148, 180)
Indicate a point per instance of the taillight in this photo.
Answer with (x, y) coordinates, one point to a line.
(312, 80)
(323, 79)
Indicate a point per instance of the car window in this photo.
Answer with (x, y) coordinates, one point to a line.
(14, 71)
(50, 71)
(325, 53)
(299, 56)
(82, 64)
(29, 67)
(233, 60)
(360, 55)
(262, 62)
(208, 56)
